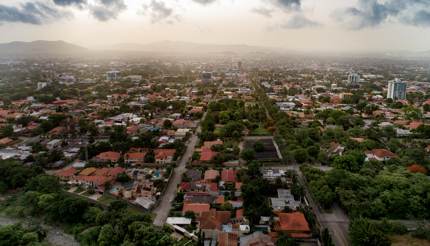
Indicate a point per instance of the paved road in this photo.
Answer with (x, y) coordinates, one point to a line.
(336, 221)
(163, 209)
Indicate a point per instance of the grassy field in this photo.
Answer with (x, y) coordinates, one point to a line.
(261, 131)
(106, 199)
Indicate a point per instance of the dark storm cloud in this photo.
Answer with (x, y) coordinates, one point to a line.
(421, 18)
(105, 10)
(78, 3)
(371, 13)
(159, 11)
(299, 21)
(288, 4)
(35, 13)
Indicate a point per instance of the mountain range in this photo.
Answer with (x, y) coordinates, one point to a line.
(63, 49)
(190, 48)
(40, 47)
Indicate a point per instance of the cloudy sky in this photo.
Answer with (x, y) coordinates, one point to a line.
(305, 25)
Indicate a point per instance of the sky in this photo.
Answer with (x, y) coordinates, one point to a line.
(302, 25)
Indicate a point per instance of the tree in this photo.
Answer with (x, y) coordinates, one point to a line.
(285, 240)
(106, 236)
(324, 195)
(248, 154)
(258, 146)
(150, 157)
(6, 131)
(301, 155)
(123, 178)
(326, 238)
(190, 215)
(351, 162)
(362, 232)
(313, 151)
(167, 124)
(44, 183)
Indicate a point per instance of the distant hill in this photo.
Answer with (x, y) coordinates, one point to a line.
(40, 48)
(189, 48)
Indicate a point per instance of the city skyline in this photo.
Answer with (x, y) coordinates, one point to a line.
(301, 25)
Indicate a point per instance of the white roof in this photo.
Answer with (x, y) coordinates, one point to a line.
(178, 221)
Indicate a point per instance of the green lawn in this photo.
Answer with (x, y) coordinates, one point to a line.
(260, 131)
(106, 199)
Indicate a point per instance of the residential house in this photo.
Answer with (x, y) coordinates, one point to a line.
(108, 156)
(379, 155)
(211, 175)
(134, 158)
(196, 208)
(228, 175)
(294, 224)
(164, 156)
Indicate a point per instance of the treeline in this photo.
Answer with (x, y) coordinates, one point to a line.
(42, 196)
(393, 194)
(234, 118)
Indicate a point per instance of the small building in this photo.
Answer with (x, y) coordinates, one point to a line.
(379, 155)
(53, 144)
(164, 156)
(108, 156)
(196, 208)
(294, 224)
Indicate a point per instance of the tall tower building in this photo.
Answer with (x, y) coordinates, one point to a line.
(112, 75)
(396, 89)
(353, 78)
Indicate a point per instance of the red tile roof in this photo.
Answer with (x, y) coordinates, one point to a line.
(207, 154)
(67, 172)
(214, 219)
(97, 180)
(239, 214)
(415, 124)
(415, 168)
(113, 172)
(135, 156)
(220, 200)
(164, 153)
(197, 208)
(382, 153)
(227, 239)
(210, 144)
(211, 174)
(102, 171)
(228, 175)
(109, 156)
(292, 223)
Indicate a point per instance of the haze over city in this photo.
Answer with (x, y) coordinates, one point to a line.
(298, 25)
(215, 122)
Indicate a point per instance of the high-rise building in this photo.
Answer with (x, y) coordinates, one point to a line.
(206, 77)
(353, 78)
(112, 75)
(396, 89)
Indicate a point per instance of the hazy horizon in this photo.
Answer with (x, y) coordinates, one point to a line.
(294, 25)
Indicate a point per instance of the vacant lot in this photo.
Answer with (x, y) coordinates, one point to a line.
(269, 152)
(408, 240)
